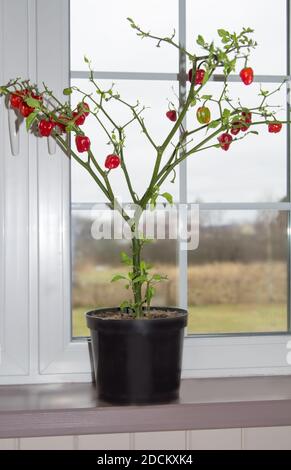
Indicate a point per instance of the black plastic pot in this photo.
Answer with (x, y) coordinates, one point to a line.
(137, 361)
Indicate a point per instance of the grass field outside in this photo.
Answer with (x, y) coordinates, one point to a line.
(223, 297)
(220, 318)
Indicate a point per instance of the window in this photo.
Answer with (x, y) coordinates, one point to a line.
(237, 280)
(237, 284)
(238, 276)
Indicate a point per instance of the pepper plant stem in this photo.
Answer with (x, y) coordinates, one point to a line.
(136, 270)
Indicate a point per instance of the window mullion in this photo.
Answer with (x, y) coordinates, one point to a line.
(182, 254)
(288, 154)
(237, 206)
(107, 75)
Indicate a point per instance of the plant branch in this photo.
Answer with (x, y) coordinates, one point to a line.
(168, 40)
(67, 149)
(124, 168)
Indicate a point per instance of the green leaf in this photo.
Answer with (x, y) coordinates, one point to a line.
(125, 304)
(125, 259)
(159, 277)
(248, 30)
(226, 113)
(150, 292)
(193, 102)
(213, 124)
(168, 197)
(70, 127)
(29, 120)
(200, 40)
(142, 278)
(222, 56)
(222, 33)
(145, 266)
(67, 91)
(117, 277)
(86, 59)
(33, 103)
(225, 40)
(206, 97)
(232, 65)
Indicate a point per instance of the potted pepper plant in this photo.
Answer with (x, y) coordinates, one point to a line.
(138, 347)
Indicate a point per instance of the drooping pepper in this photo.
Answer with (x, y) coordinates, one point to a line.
(82, 143)
(203, 115)
(112, 161)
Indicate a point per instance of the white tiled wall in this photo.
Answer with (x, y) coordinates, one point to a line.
(212, 439)
(276, 438)
(104, 441)
(47, 443)
(215, 439)
(166, 440)
(8, 444)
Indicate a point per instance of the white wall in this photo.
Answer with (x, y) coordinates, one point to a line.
(273, 438)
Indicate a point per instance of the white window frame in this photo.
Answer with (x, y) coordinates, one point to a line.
(35, 264)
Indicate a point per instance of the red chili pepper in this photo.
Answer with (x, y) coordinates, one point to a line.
(246, 121)
(274, 127)
(45, 127)
(15, 100)
(112, 161)
(247, 116)
(199, 76)
(25, 110)
(84, 108)
(225, 140)
(82, 143)
(62, 122)
(172, 115)
(80, 119)
(236, 127)
(24, 92)
(247, 75)
(36, 97)
(203, 115)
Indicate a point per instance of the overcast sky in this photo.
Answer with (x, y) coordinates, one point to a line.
(253, 170)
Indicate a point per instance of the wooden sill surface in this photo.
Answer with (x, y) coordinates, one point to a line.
(66, 409)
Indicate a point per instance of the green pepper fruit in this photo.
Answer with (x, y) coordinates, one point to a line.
(203, 115)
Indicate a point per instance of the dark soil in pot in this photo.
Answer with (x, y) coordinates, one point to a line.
(137, 361)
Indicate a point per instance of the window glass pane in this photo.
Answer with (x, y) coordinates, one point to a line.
(101, 32)
(237, 278)
(253, 169)
(95, 262)
(139, 154)
(266, 17)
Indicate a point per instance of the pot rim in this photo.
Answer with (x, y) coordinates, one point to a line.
(92, 313)
(91, 317)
